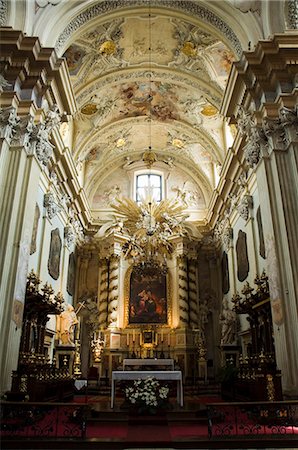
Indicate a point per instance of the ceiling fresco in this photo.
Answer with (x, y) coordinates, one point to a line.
(149, 80)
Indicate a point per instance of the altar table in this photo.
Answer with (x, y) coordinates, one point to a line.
(79, 384)
(165, 375)
(148, 362)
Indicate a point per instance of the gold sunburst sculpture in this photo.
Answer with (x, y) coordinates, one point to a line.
(150, 226)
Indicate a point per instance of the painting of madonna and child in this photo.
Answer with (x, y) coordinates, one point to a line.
(147, 301)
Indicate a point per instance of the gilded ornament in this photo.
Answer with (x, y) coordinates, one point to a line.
(209, 111)
(189, 49)
(107, 48)
(149, 158)
(177, 143)
(89, 109)
(120, 142)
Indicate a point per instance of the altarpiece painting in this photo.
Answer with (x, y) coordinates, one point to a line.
(148, 298)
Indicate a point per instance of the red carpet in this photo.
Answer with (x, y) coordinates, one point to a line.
(110, 431)
(148, 433)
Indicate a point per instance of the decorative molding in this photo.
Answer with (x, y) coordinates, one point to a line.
(3, 12)
(189, 7)
(281, 131)
(227, 238)
(246, 203)
(43, 3)
(255, 138)
(51, 205)
(23, 133)
(69, 236)
(8, 123)
(292, 14)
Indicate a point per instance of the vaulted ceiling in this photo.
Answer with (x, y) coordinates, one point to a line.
(149, 73)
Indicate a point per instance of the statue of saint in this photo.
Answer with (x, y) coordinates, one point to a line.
(228, 323)
(68, 321)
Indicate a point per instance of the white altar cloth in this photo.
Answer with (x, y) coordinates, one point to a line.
(166, 375)
(148, 362)
(79, 384)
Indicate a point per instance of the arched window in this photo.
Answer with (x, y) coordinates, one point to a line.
(148, 185)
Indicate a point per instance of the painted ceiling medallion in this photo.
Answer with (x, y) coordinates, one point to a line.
(89, 109)
(189, 49)
(209, 110)
(107, 48)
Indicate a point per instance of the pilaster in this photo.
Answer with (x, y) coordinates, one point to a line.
(264, 104)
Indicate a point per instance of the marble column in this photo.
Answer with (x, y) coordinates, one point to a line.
(113, 291)
(103, 293)
(193, 293)
(183, 292)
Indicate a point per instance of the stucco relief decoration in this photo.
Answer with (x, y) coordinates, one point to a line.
(24, 133)
(254, 136)
(247, 5)
(246, 203)
(292, 14)
(51, 205)
(186, 197)
(96, 51)
(43, 3)
(289, 120)
(274, 282)
(8, 123)
(4, 84)
(69, 236)
(109, 190)
(191, 45)
(40, 135)
(227, 238)
(111, 144)
(189, 7)
(54, 254)
(275, 133)
(3, 12)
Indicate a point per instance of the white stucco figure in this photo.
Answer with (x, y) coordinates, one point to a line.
(68, 321)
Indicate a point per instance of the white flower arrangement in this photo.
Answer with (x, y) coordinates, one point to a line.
(147, 395)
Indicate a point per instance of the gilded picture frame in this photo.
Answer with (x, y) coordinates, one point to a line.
(147, 299)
